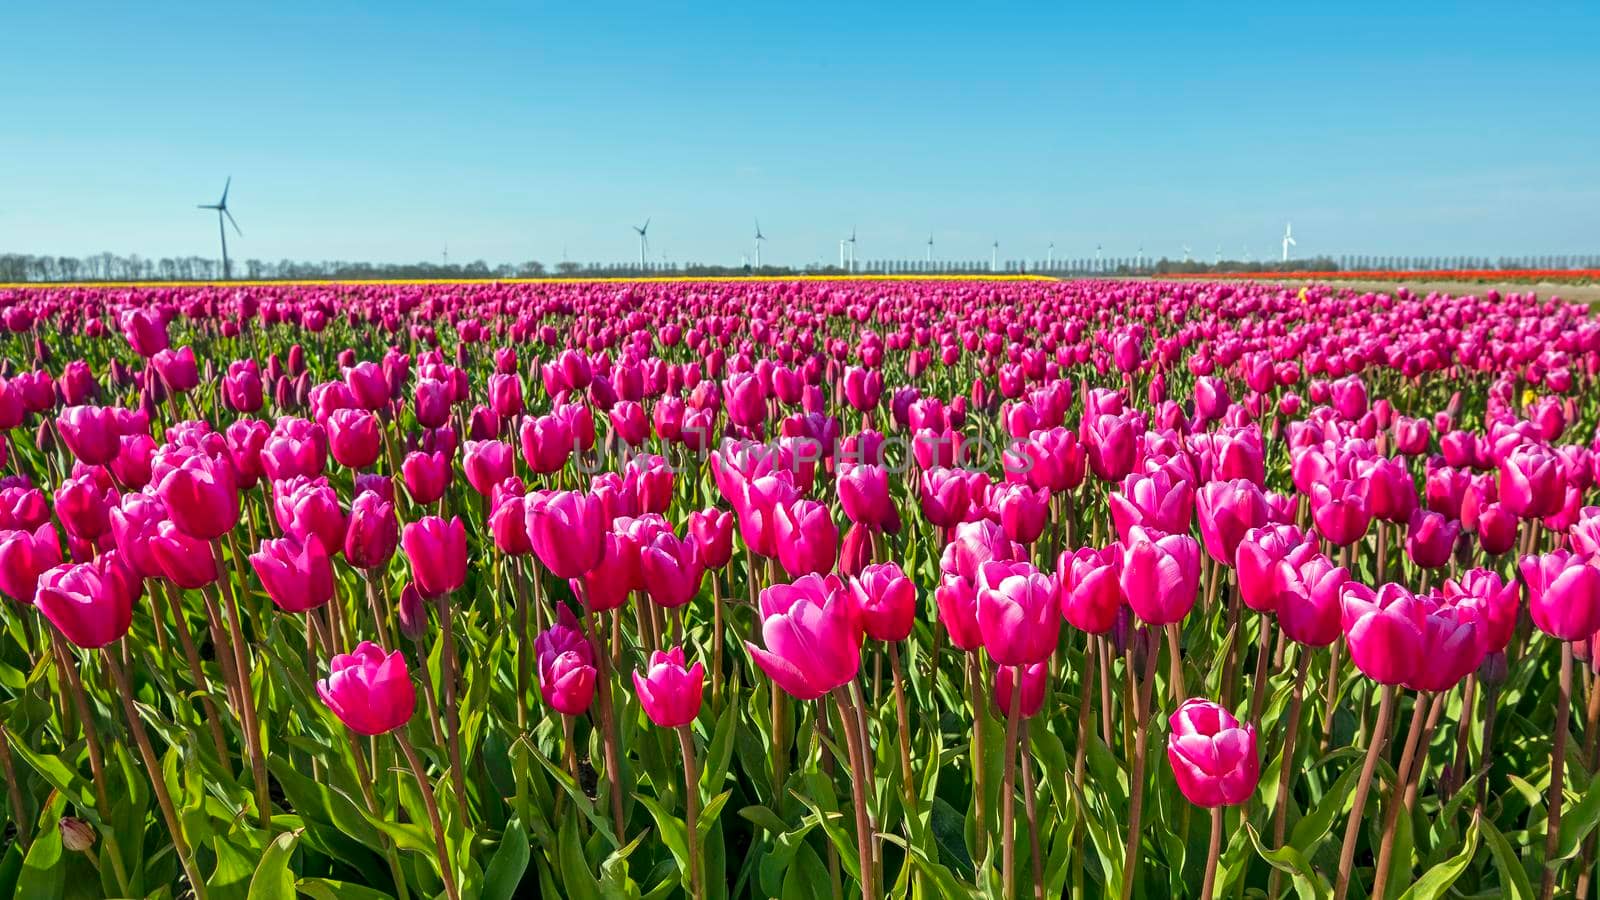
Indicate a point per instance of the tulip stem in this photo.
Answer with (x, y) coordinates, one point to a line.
(691, 812)
(607, 722)
(1331, 695)
(1591, 723)
(1212, 852)
(1130, 861)
(447, 678)
(1491, 693)
(1258, 687)
(1179, 691)
(1008, 782)
(158, 780)
(431, 803)
(19, 811)
(1558, 759)
(903, 720)
(716, 642)
(1347, 853)
(1462, 762)
(1030, 809)
(858, 777)
(1105, 690)
(247, 695)
(91, 737)
(979, 793)
(1280, 812)
(364, 782)
(1420, 765)
(1402, 774)
(524, 645)
(191, 655)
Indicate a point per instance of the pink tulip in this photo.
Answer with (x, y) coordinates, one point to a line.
(812, 637)
(1340, 511)
(91, 603)
(369, 691)
(1154, 500)
(1310, 601)
(1265, 560)
(426, 475)
(568, 532)
(1034, 678)
(437, 551)
(296, 575)
(671, 570)
(201, 496)
(187, 562)
(864, 494)
(1017, 613)
(885, 601)
(806, 538)
(90, 433)
(355, 438)
(1495, 604)
(1384, 630)
(712, 530)
(1531, 482)
(670, 693)
(1229, 509)
(1213, 757)
(1023, 511)
(24, 556)
(487, 464)
(1563, 594)
(372, 532)
(1431, 539)
(957, 601)
(1090, 594)
(567, 672)
(1159, 575)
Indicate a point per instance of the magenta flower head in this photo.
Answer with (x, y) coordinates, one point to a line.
(1034, 678)
(145, 331)
(372, 532)
(91, 603)
(1340, 511)
(1154, 500)
(957, 601)
(1265, 560)
(201, 495)
(1022, 510)
(669, 692)
(24, 556)
(864, 494)
(712, 530)
(426, 475)
(437, 551)
(1531, 482)
(487, 463)
(1213, 757)
(297, 575)
(187, 562)
(177, 368)
(508, 525)
(944, 496)
(568, 531)
(1563, 594)
(1159, 575)
(1089, 591)
(1451, 646)
(1310, 601)
(1431, 539)
(1017, 613)
(90, 433)
(567, 671)
(1384, 630)
(885, 601)
(812, 636)
(369, 691)
(1228, 509)
(355, 437)
(670, 569)
(309, 506)
(807, 540)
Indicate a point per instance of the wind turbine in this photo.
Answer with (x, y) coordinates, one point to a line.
(930, 246)
(1097, 257)
(644, 241)
(1219, 255)
(759, 238)
(852, 242)
(1050, 255)
(1288, 239)
(994, 257)
(1140, 263)
(1186, 257)
(221, 206)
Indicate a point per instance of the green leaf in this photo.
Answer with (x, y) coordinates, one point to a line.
(230, 878)
(1438, 880)
(326, 889)
(1514, 882)
(273, 880)
(1308, 884)
(673, 832)
(1315, 825)
(510, 861)
(576, 876)
(1577, 821)
(44, 869)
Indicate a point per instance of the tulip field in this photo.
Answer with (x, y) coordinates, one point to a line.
(799, 589)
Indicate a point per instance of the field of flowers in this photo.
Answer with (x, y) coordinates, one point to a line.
(801, 590)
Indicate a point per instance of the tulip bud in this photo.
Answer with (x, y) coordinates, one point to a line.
(76, 834)
(413, 613)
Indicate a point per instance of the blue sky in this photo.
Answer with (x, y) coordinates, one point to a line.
(385, 131)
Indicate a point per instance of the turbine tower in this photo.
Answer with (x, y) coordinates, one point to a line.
(644, 241)
(930, 246)
(852, 242)
(221, 206)
(1186, 256)
(1288, 239)
(759, 238)
(1219, 255)
(1050, 255)
(994, 257)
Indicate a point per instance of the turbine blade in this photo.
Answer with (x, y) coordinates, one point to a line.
(225, 185)
(232, 222)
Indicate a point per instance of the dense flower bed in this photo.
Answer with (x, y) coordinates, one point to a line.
(797, 589)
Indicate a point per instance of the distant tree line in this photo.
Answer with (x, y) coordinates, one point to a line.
(19, 267)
